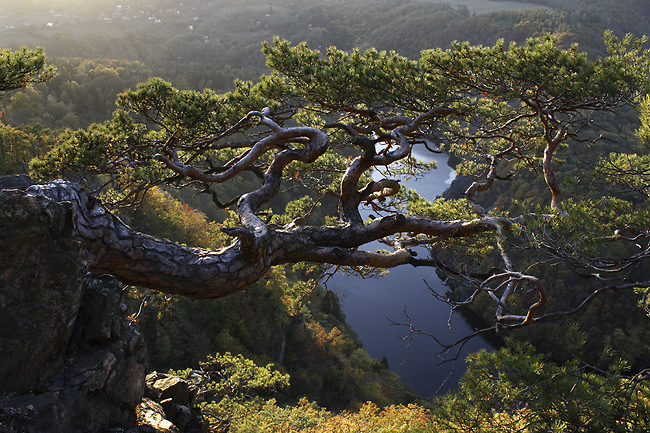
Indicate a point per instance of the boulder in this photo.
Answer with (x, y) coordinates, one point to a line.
(162, 387)
(176, 396)
(151, 418)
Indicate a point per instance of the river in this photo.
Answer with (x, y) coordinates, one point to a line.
(371, 306)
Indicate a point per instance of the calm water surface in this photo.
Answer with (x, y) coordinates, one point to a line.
(372, 306)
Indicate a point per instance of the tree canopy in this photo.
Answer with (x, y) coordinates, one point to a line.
(553, 215)
(21, 68)
(331, 122)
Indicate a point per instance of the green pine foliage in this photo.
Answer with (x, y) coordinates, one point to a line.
(516, 388)
(280, 353)
(284, 319)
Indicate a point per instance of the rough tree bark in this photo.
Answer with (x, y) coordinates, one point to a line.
(109, 246)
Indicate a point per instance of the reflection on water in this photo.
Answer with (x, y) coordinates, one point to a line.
(374, 307)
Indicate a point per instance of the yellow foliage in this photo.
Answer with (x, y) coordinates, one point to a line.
(165, 216)
(325, 340)
(18, 147)
(371, 419)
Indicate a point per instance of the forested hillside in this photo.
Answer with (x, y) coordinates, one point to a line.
(102, 50)
(582, 372)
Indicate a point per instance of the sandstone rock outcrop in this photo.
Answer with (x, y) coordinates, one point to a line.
(70, 360)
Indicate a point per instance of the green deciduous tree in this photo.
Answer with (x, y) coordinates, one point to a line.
(17, 148)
